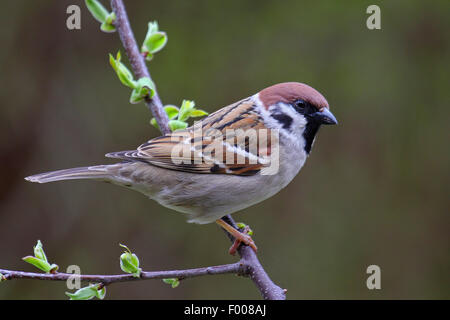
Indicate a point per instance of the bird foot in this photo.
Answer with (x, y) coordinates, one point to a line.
(242, 237)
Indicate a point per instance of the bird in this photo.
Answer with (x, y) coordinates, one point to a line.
(236, 157)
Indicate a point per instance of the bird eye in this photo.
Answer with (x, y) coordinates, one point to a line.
(300, 106)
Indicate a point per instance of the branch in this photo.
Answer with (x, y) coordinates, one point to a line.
(267, 288)
(236, 268)
(137, 62)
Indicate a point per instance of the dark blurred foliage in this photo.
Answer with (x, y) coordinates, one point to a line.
(374, 191)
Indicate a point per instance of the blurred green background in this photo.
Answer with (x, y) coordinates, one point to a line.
(374, 191)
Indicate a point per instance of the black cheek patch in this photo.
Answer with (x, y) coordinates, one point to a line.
(283, 119)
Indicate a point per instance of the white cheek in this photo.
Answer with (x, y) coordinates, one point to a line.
(293, 138)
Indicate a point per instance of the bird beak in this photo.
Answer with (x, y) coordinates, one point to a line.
(325, 117)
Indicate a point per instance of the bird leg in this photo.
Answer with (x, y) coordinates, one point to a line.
(239, 237)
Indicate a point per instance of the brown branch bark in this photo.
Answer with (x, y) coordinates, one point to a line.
(137, 62)
(236, 268)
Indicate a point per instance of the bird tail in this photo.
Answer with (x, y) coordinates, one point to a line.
(94, 172)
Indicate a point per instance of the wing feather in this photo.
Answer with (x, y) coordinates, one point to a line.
(213, 149)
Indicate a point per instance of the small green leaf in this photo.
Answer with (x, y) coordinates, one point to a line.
(144, 87)
(152, 28)
(174, 282)
(88, 293)
(106, 27)
(172, 111)
(186, 108)
(177, 125)
(39, 251)
(246, 228)
(38, 263)
(148, 56)
(101, 293)
(145, 82)
(154, 123)
(135, 96)
(198, 113)
(110, 18)
(129, 262)
(40, 259)
(154, 41)
(240, 225)
(124, 75)
(53, 268)
(97, 10)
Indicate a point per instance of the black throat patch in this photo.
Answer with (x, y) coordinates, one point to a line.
(309, 134)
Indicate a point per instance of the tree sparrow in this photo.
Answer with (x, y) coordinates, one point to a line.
(236, 157)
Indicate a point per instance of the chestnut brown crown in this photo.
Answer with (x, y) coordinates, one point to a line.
(289, 92)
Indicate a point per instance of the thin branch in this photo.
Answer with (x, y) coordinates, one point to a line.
(236, 268)
(137, 62)
(268, 289)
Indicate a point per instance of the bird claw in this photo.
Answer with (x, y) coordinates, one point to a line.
(243, 238)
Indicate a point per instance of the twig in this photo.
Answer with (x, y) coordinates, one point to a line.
(137, 62)
(268, 289)
(236, 268)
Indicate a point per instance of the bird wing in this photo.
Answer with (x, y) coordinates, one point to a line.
(213, 145)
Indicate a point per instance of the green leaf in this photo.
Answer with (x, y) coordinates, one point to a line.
(39, 251)
(106, 27)
(40, 259)
(172, 111)
(144, 87)
(38, 263)
(110, 18)
(124, 75)
(148, 55)
(186, 108)
(53, 268)
(101, 293)
(240, 225)
(154, 41)
(177, 125)
(88, 293)
(129, 262)
(145, 82)
(246, 228)
(195, 113)
(97, 10)
(152, 28)
(174, 282)
(154, 123)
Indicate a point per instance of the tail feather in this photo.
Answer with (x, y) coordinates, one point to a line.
(93, 172)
